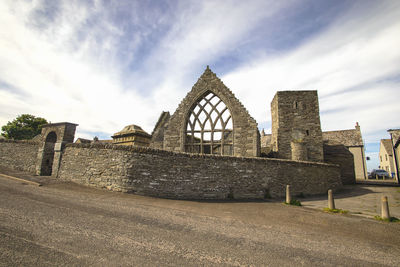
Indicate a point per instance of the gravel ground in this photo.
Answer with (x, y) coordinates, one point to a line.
(67, 224)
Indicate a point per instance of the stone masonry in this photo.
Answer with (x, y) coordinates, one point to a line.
(166, 170)
(246, 140)
(157, 136)
(19, 155)
(50, 151)
(341, 155)
(160, 173)
(296, 127)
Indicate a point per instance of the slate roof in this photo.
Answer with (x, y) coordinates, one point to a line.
(387, 144)
(345, 137)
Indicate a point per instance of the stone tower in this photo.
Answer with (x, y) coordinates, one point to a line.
(296, 127)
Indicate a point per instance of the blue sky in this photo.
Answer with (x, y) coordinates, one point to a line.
(107, 64)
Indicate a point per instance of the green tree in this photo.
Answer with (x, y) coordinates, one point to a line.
(24, 127)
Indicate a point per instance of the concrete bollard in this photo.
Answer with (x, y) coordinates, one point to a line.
(288, 199)
(331, 201)
(385, 208)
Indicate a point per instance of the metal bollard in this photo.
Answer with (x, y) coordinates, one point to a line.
(385, 208)
(288, 199)
(331, 201)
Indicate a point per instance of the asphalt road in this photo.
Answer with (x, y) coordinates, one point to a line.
(66, 224)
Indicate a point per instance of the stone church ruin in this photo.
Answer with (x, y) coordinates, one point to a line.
(209, 148)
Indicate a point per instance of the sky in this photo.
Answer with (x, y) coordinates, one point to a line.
(108, 64)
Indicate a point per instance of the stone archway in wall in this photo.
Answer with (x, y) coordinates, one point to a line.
(46, 167)
(209, 127)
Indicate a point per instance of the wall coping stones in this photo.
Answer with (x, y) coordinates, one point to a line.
(19, 141)
(147, 150)
(58, 124)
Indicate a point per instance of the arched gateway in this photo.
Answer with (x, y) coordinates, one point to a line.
(48, 154)
(53, 139)
(211, 120)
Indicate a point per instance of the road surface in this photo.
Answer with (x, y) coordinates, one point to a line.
(67, 224)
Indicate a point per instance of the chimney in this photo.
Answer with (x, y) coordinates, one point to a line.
(357, 126)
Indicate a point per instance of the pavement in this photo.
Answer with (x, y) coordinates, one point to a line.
(360, 200)
(61, 223)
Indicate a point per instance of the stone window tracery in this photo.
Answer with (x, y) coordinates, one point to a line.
(209, 128)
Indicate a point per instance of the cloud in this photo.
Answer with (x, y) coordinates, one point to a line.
(350, 63)
(61, 83)
(107, 64)
(202, 33)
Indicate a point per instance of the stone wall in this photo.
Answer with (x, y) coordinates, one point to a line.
(341, 155)
(168, 174)
(157, 136)
(19, 155)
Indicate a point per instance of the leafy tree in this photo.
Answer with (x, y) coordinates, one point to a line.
(24, 127)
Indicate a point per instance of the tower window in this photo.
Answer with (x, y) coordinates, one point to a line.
(307, 132)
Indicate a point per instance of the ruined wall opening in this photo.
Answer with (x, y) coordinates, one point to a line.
(48, 154)
(209, 128)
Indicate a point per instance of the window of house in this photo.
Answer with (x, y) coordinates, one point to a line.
(209, 127)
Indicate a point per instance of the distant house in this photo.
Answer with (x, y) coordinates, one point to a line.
(386, 161)
(395, 142)
(351, 139)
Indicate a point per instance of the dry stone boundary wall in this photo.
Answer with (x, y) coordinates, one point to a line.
(19, 155)
(166, 174)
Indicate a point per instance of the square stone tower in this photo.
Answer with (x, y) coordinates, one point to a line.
(296, 126)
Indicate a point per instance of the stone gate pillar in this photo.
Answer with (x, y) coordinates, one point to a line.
(53, 140)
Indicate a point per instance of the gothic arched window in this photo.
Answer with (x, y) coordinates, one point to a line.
(209, 128)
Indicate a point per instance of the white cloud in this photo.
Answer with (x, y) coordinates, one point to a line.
(60, 84)
(199, 36)
(67, 67)
(347, 63)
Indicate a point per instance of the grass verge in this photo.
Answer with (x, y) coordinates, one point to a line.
(293, 202)
(392, 219)
(336, 211)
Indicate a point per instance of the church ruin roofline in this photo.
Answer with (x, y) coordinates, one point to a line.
(209, 74)
(245, 139)
(163, 116)
(291, 91)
